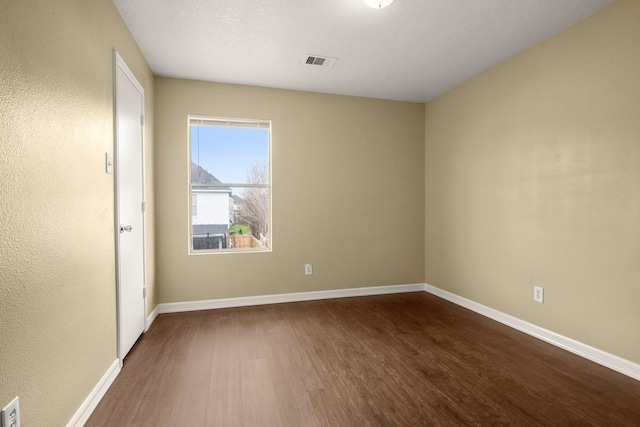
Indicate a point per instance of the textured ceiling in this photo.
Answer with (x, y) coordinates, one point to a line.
(413, 50)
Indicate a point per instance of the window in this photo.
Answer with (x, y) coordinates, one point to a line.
(230, 184)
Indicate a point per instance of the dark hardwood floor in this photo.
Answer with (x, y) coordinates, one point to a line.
(394, 360)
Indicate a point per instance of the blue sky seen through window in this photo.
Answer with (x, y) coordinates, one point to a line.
(228, 153)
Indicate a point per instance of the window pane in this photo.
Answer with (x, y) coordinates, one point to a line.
(235, 218)
(229, 155)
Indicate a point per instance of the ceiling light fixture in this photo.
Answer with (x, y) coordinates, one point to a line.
(378, 4)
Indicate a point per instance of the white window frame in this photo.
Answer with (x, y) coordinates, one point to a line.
(234, 123)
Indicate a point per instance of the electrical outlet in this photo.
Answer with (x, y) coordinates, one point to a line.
(538, 294)
(308, 269)
(10, 415)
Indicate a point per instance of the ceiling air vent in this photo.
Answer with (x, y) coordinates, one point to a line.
(319, 61)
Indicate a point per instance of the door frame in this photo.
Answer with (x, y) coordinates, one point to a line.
(118, 63)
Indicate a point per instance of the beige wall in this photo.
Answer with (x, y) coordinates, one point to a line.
(532, 178)
(348, 193)
(57, 271)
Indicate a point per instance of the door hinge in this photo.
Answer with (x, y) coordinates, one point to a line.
(144, 292)
(141, 120)
(144, 206)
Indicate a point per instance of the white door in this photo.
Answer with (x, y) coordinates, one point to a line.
(129, 118)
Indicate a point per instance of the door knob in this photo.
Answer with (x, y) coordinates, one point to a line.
(124, 228)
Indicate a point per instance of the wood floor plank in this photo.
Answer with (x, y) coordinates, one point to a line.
(392, 360)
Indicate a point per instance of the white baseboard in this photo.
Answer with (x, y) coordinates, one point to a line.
(175, 307)
(603, 358)
(152, 316)
(84, 412)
